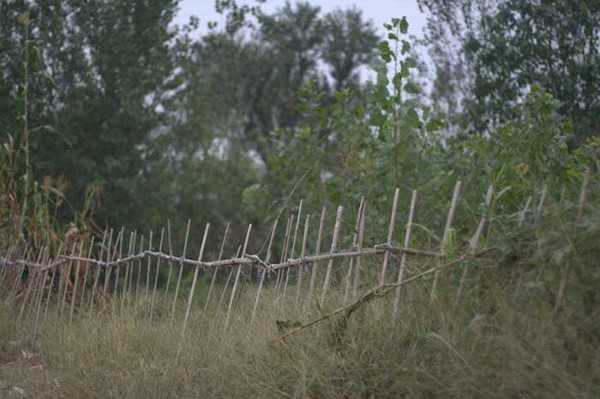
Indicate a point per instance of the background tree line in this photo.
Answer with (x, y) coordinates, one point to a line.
(110, 113)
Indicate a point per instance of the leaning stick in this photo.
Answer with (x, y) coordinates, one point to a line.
(334, 240)
(85, 273)
(77, 271)
(302, 255)
(216, 271)
(148, 267)
(377, 292)
(445, 238)
(107, 270)
(583, 194)
(97, 276)
(313, 272)
(540, 207)
(523, 213)
(118, 252)
(194, 280)
(386, 257)
(153, 301)
(284, 256)
(237, 278)
(407, 234)
(185, 244)
(263, 272)
(474, 242)
(67, 281)
(170, 242)
(354, 245)
(361, 237)
(139, 273)
(130, 249)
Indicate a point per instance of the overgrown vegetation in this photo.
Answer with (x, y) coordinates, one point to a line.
(110, 115)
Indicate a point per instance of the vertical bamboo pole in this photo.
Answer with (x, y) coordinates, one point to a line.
(30, 282)
(107, 269)
(67, 280)
(119, 249)
(216, 271)
(185, 244)
(41, 295)
(194, 280)
(170, 242)
(313, 272)
(583, 194)
(285, 257)
(124, 292)
(156, 274)
(54, 272)
(97, 275)
(354, 247)
(77, 271)
(289, 256)
(444, 244)
(302, 255)
(237, 277)
(148, 267)
(263, 272)
(334, 240)
(361, 237)
(139, 273)
(280, 272)
(386, 256)
(85, 273)
(474, 242)
(226, 286)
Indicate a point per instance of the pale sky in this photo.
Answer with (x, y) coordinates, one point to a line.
(380, 11)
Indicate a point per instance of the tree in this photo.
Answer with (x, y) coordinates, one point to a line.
(511, 45)
(99, 74)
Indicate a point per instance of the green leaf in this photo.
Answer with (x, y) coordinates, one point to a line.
(404, 25)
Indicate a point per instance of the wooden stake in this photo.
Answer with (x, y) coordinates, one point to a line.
(361, 237)
(156, 274)
(386, 256)
(237, 278)
(313, 273)
(444, 244)
(263, 272)
(402, 267)
(185, 244)
(354, 246)
(77, 271)
(216, 271)
(194, 280)
(474, 242)
(334, 240)
(302, 255)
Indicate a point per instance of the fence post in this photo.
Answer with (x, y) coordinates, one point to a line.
(444, 244)
(263, 272)
(354, 246)
(194, 280)
(402, 267)
(185, 244)
(313, 272)
(361, 236)
(215, 272)
(474, 242)
(334, 240)
(390, 236)
(160, 246)
(237, 278)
